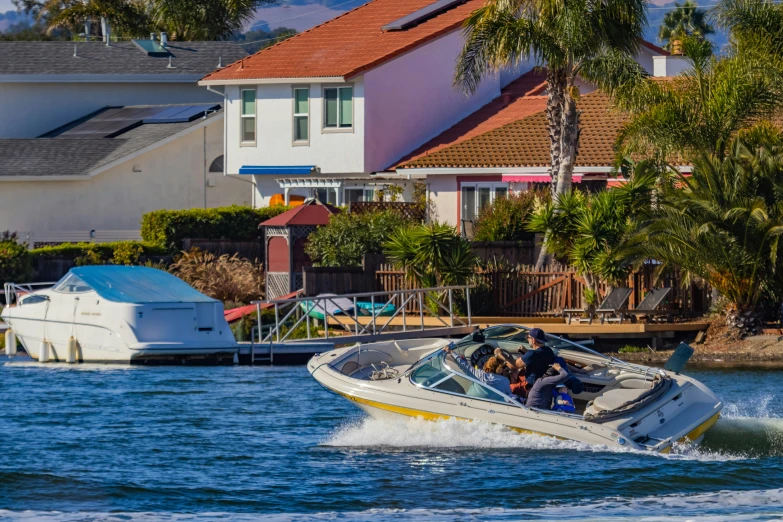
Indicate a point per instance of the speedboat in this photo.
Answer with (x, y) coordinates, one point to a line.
(621, 404)
(119, 314)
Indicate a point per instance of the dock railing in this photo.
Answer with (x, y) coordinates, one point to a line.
(437, 304)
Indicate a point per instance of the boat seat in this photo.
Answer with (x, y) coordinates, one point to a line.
(613, 399)
(349, 368)
(635, 384)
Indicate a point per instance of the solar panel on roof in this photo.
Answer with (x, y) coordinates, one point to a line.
(151, 47)
(181, 114)
(422, 15)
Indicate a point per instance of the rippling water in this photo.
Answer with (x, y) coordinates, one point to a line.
(126, 443)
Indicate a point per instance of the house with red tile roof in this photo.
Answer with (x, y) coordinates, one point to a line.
(327, 112)
(504, 147)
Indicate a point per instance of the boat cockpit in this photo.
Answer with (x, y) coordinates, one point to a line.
(610, 387)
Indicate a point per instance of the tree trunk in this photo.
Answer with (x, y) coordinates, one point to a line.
(743, 323)
(555, 86)
(569, 144)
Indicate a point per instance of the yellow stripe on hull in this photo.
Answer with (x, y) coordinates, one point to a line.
(427, 415)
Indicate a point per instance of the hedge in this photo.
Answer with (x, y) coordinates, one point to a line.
(119, 252)
(168, 228)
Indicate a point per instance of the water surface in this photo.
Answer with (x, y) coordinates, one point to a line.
(127, 443)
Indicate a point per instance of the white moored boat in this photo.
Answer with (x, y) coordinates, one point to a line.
(119, 314)
(621, 405)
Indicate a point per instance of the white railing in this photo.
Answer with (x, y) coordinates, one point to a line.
(430, 303)
(15, 291)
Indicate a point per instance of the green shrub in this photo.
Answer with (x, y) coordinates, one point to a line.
(506, 219)
(119, 252)
(631, 349)
(15, 262)
(168, 228)
(348, 237)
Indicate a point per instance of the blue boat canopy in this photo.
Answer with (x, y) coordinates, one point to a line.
(130, 284)
(301, 170)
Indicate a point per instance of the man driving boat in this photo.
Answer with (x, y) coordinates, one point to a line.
(492, 374)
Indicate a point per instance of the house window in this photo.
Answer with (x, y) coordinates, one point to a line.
(326, 195)
(359, 195)
(338, 108)
(248, 115)
(477, 196)
(301, 114)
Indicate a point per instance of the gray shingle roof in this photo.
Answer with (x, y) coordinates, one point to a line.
(121, 58)
(62, 156)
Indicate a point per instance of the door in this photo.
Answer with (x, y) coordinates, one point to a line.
(469, 203)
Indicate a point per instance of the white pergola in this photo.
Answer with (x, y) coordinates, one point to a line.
(310, 183)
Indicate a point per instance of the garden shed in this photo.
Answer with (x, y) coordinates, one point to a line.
(285, 236)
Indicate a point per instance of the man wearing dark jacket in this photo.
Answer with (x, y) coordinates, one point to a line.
(540, 395)
(537, 360)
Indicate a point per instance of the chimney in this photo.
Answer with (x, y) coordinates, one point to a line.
(164, 39)
(505, 97)
(106, 29)
(152, 36)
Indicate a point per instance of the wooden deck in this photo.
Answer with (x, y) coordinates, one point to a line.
(553, 325)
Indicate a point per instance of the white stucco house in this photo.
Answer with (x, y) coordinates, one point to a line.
(47, 84)
(333, 111)
(93, 178)
(325, 112)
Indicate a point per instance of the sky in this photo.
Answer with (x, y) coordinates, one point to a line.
(304, 14)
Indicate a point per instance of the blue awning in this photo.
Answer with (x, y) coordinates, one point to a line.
(278, 171)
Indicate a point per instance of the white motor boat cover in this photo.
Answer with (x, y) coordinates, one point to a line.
(613, 404)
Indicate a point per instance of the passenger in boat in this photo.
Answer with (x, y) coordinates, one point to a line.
(537, 360)
(562, 400)
(572, 383)
(492, 374)
(540, 394)
(516, 373)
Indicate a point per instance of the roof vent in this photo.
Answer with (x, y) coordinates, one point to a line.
(422, 15)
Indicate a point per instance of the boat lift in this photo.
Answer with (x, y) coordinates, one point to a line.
(418, 313)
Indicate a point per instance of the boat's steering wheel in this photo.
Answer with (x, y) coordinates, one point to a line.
(484, 352)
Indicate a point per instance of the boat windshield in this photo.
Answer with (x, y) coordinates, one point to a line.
(71, 284)
(518, 333)
(440, 375)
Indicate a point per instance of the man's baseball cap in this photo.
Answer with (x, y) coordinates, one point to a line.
(537, 334)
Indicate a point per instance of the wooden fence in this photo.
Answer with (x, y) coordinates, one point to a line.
(508, 253)
(413, 211)
(526, 292)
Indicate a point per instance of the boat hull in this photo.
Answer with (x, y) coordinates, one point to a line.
(107, 332)
(684, 414)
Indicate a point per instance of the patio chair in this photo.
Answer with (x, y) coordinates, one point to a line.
(468, 226)
(607, 310)
(648, 307)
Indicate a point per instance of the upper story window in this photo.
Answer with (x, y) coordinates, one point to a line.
(301, 115)
(248, 115)
(338, 108)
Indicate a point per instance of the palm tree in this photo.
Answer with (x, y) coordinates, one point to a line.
(723, 224)
(597, 233)
(683, 20)
(594, 39)
(127, 17)
(701, 109)
(186, 20)
(432, 254)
